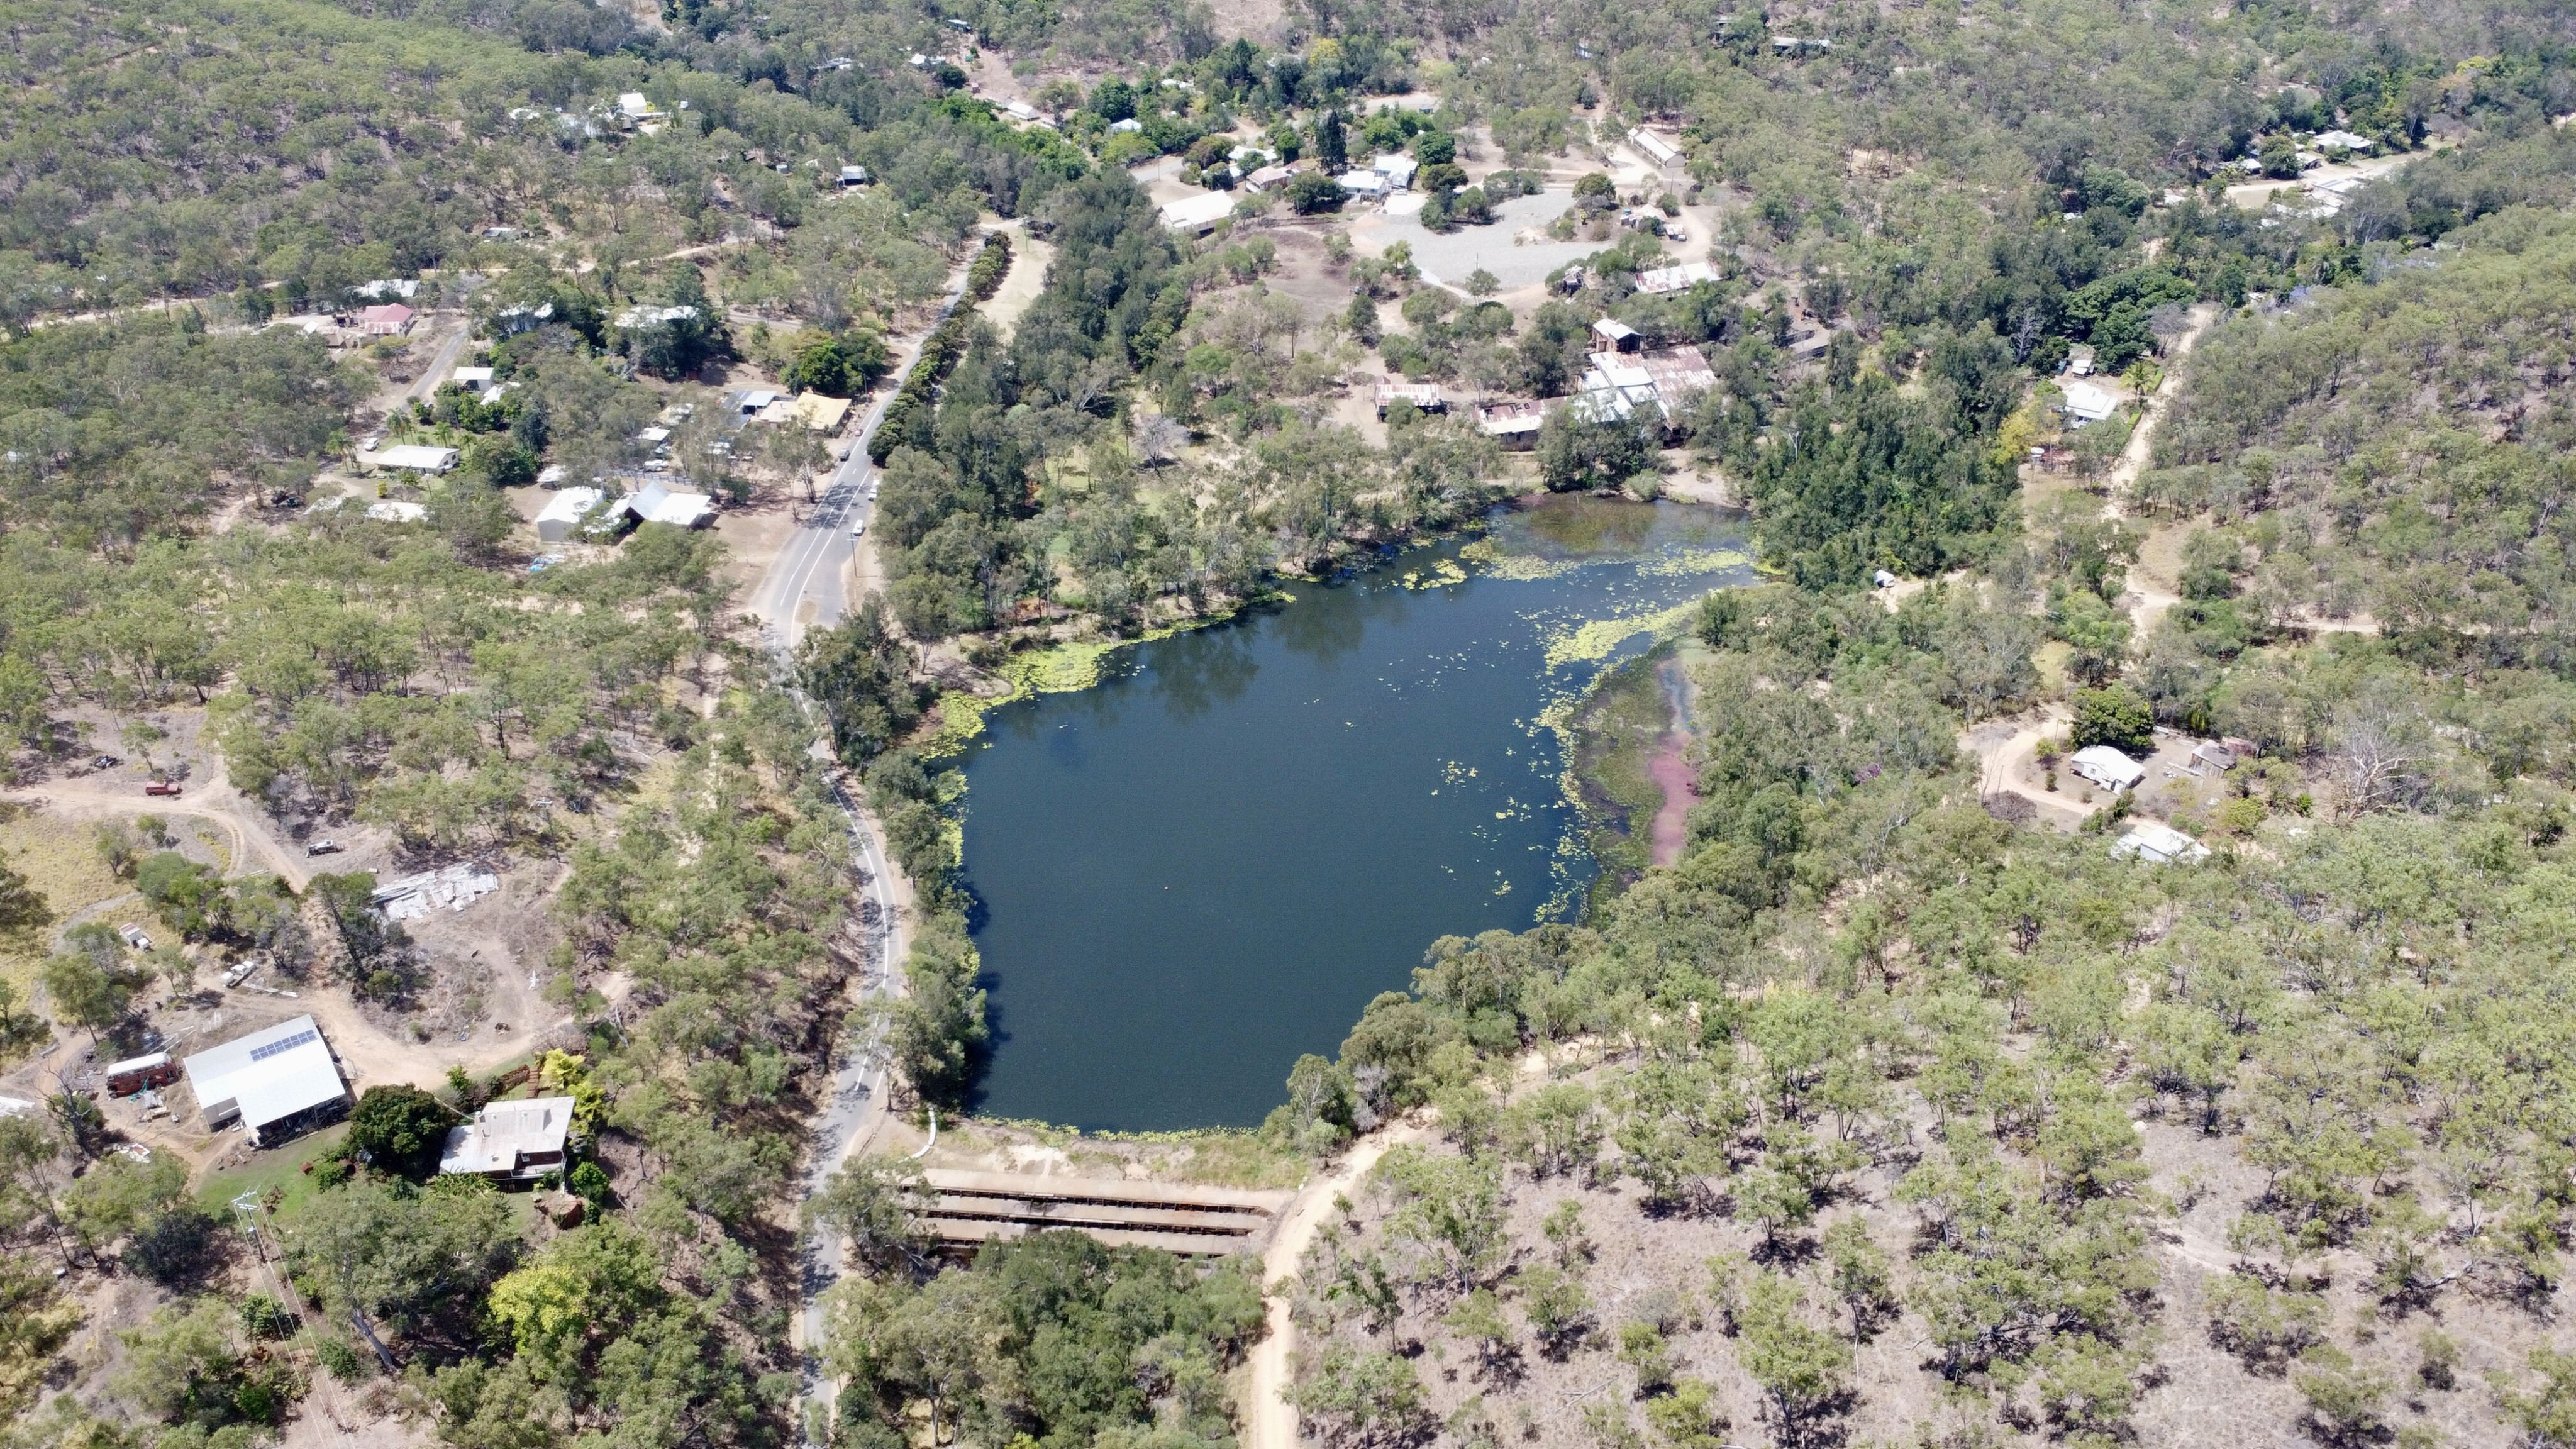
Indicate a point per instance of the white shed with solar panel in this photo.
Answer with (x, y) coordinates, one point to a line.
(276, 1082)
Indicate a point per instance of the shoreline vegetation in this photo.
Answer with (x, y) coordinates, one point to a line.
(1632, 767)
(1898, 1109)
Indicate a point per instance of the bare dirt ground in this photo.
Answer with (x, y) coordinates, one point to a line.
(754, 533)
(1030, 259)
(1268, 1420)
(1644, 1266)
(256, 845)
(2257, 195)
(1259, 20)
(1502, 248)
(2005, 751)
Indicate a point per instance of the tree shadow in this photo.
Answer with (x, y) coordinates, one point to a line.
(1785, 1253)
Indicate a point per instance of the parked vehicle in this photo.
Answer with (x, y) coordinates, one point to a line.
(162, 787)
(323, 847)
(132, 935)
(858, 528)
(104, 762)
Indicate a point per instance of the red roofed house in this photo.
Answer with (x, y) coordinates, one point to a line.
(391, 319)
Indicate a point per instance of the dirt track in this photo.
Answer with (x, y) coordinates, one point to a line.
(212, 798)
(371, 1055)
(1269, 1421)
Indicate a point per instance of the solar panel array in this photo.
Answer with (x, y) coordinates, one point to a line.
(284, 1044)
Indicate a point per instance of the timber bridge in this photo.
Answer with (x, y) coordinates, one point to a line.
(963, 1209)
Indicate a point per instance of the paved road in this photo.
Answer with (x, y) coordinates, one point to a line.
(427, 383)
(804, 588)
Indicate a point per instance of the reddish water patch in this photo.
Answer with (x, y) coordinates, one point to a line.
(1670, 770)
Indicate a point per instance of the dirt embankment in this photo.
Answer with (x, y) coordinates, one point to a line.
(1671, 769)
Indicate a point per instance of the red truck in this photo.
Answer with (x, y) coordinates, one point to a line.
(162, 787)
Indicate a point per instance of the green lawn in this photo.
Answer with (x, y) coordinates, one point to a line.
(283, 1168)
(277, 1167)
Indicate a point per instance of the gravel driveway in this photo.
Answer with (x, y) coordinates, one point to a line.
(1450, 256)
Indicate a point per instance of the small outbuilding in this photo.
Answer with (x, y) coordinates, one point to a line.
(510, 1141)
(564, 512)
(511, 321)
(654, 503)
(1423, 395)
(819, 413)
(1515, 425)
(1681, 277)
(1616, 335)
(2159, 844)
(2107, 767)
(276, 1082)
(2089, 403)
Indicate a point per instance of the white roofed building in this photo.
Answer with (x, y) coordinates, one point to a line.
(1681, 277)
(1614, 388)
(1198, 213)
(654, 503)
(634, 317)
(2088, 402)
(563, 513)
(417, 458)
(2159, 844)
(1661, 383)
(511, 1141)
(276, 1082)
(1423, 395)
(1654, 148)
(2107, 767)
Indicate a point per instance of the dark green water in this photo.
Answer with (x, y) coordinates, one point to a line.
(1208, 863)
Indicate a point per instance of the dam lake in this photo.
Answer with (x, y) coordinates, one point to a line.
(1208, 862)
